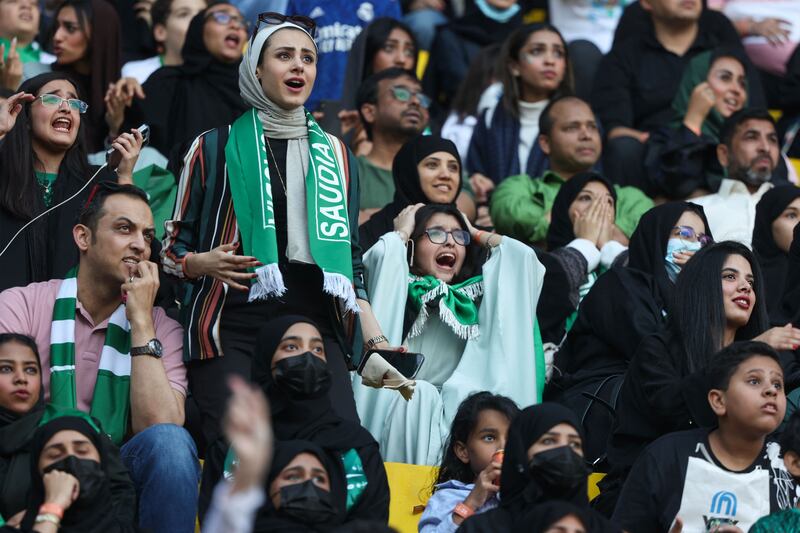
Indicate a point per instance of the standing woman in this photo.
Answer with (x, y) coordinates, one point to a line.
(86, 43)
(44, 162)
(246, 260)
(504, 142)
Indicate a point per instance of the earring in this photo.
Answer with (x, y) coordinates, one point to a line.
(411, 259)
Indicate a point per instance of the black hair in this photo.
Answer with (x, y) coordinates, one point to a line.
(723, 364)
(474, 253)
(698, 311)
(159, 13)
(5, 92)
(463, 424)
(24, 340)
(84, 14)
(547, 120)
(790, 438)
(480, 74)
(510, 52)
(377, 34)
(93, 210)
(20, 192)
(733, 122)
(368, 90)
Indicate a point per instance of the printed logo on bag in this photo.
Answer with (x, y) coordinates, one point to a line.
(722, 510)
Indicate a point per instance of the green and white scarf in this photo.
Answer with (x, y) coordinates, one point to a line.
(111, 399)
(457, 304)
(326, 201)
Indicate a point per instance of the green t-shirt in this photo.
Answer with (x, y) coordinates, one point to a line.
(46, 180)
(376, 185)
(786, 521)
(32, 53)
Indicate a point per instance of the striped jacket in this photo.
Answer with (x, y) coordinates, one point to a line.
(204, 218)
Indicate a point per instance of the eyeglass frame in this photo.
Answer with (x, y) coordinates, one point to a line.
(423, 99)
(215, 14)
(703, 238)
(306, 23)
(81, 109)
(452, 233)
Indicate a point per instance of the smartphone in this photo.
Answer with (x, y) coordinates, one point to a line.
(407, 363)
(113, 158)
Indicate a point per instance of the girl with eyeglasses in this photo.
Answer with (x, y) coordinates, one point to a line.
(44, 163)
(458, 308)
(266, 225)
(718, 299)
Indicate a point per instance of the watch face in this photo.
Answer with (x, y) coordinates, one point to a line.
(155, 347)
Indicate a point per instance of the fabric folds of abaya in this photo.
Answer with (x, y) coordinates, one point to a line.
(544, 516)
(609, 327)
(519, 491)
(186, 100)
(560, 232)
(314, 420)
(774, 262)
(103, 513)
(105, 53)
(407, 187)
(269, 519)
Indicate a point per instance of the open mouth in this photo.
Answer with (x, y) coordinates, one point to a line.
(62, 124)
(770, 408)
(130, 261)
(443, 187)
(744, 303)
(446, 260)
(295, 84)
(233, 40)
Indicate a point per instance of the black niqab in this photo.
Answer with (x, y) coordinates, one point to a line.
(407, 187)
(560, 232)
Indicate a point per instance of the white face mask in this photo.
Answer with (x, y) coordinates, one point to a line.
(677, 245)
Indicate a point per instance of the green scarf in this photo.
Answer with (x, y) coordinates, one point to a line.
(326, 201)
(111, 399)
(457, 307)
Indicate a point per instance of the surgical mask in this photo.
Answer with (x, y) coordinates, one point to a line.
(89, 473)
(677, 245)
(559, 471)
(307, 503)
(497, 15)
(303, 376)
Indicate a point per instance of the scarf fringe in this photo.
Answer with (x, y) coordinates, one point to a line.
(462, 331)
(268, 283)
(340, 286)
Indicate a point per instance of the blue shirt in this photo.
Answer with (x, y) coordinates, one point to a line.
(438, 514)
(338, 25)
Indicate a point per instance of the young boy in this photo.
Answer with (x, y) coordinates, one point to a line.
(788, 520)
(723, 479)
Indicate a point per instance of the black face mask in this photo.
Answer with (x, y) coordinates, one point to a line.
(559, 470)
(303, 376)
(89, 474)
(307, 503)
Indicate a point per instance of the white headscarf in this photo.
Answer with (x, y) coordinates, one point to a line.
(278, 123)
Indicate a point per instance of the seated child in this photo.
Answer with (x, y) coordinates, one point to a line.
(470, 473)
(717, 479)
(787, 520)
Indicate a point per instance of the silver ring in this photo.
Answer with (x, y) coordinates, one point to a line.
(130, 279)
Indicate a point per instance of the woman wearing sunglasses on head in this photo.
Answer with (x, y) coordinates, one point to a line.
(266, 225)
(183, 101)
(43, 154)
(465, 288)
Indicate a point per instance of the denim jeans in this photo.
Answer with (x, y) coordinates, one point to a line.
(162, 461)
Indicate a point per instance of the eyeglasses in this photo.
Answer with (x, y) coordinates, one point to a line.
(687, 233)
(439, 236)
(272, 18)
(53, 100)
(224, 18)
(404, 94)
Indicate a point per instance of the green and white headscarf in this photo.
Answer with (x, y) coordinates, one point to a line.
(458, 306)
(111, 398)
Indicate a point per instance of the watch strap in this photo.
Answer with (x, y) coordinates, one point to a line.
(463, 510)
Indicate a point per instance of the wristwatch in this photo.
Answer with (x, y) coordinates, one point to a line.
(153, 348)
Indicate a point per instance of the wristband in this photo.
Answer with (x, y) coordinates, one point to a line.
(463, 510)
(47, 517)
(52, 508)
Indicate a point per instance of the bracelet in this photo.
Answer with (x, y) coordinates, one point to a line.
(52, 508)
(489, 240)
(48, 517)
(370, 344)
(463, 510)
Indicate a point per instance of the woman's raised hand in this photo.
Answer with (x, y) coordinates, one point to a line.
(700, 104)
(60, 488)
(405, 221)
(222, 264)
(247, 427)
(11, 67)
(129, 145)
(589, 224)
(481, 186)
(781, 338)
(10, 109)
(119, 96)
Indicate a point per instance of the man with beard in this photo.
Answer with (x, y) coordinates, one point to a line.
(749, 153)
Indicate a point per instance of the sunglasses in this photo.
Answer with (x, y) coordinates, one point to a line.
(404, 94)
(271, 18)
(53, 100)
(688, 233)
(439, 236)
(223, 18)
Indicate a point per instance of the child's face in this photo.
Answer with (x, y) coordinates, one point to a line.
(488, 436)
(755, 400)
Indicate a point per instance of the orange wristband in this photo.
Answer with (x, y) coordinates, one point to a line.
(463, 510)
(52, 508)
